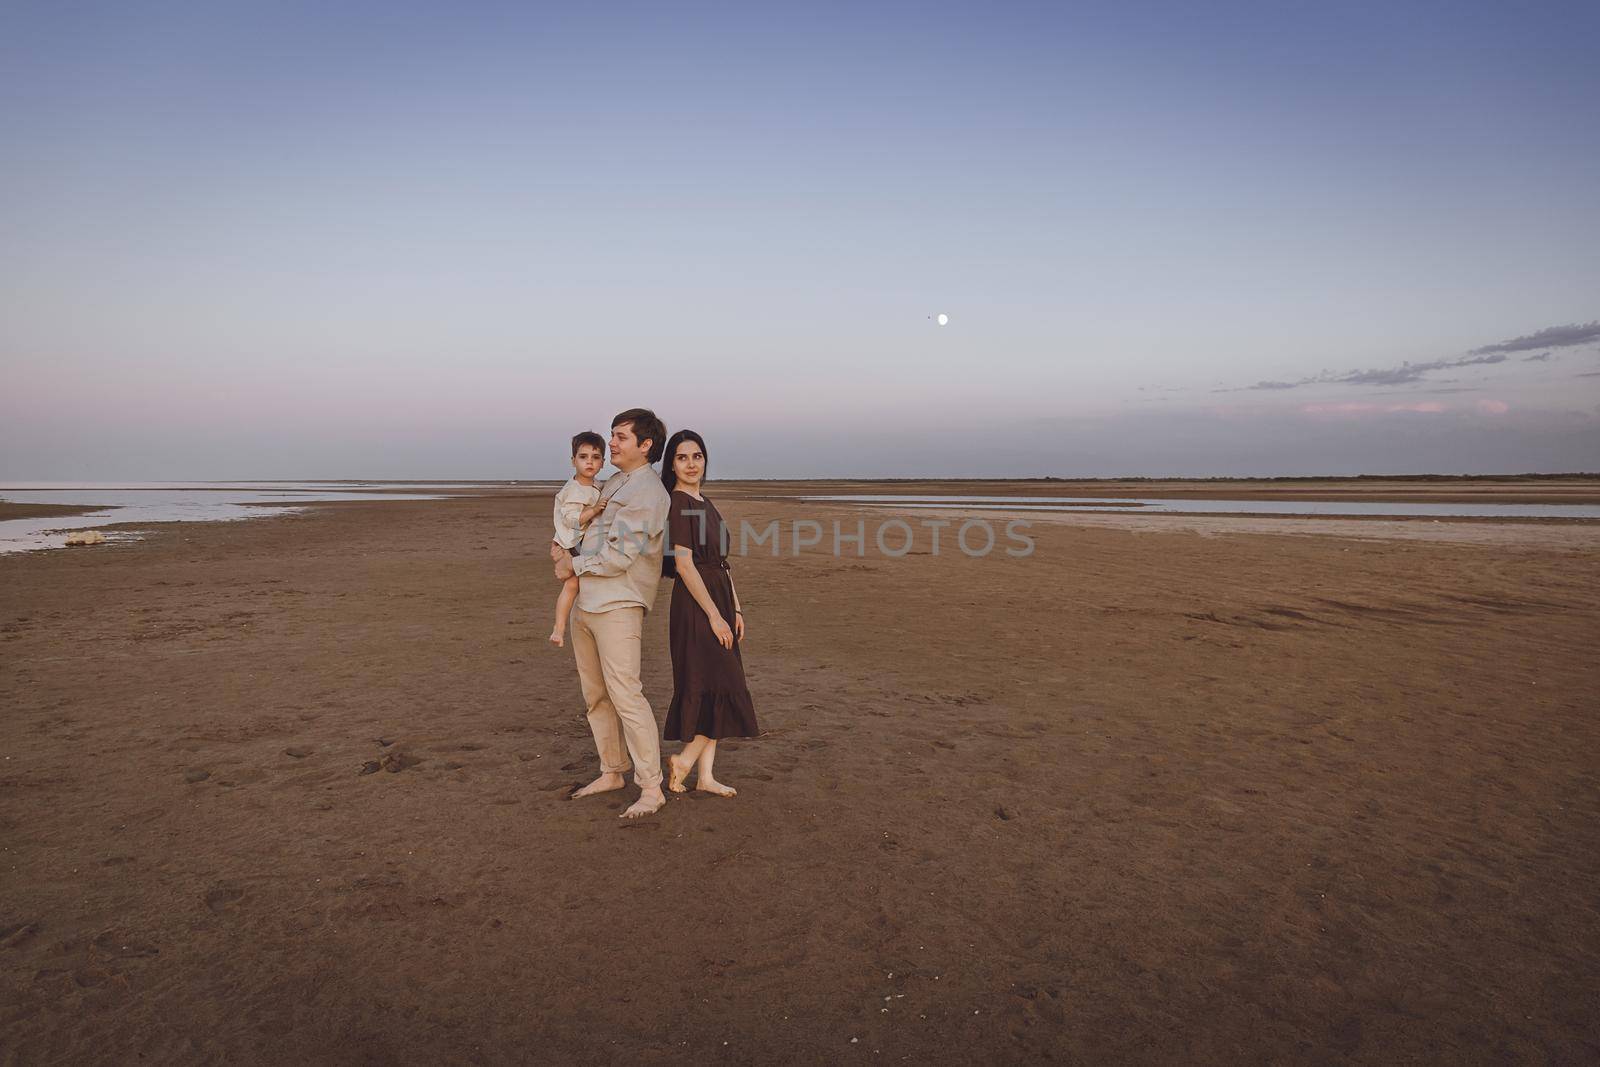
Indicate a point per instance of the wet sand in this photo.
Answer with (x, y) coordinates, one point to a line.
(9, 510)
(1159, 791)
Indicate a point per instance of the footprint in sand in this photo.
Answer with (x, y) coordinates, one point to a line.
(221, 896)
(17, 934)
(92, 977)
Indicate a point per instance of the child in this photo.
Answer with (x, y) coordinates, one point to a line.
(576, 506)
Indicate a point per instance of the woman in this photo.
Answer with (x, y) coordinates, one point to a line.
(710, 700)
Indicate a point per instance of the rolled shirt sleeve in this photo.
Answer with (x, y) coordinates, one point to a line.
(567, 530)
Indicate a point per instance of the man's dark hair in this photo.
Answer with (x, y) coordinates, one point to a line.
(589, 437)
(646, 427)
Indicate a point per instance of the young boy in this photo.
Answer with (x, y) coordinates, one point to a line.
(576, 506)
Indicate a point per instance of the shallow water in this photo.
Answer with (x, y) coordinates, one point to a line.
(153, 502)
(1148, 505)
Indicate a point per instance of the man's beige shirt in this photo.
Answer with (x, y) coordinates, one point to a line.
(619, 559)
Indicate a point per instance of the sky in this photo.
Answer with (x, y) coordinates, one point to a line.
(423, 240)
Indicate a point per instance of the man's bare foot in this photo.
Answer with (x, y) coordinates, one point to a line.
(606, 783)
(714, 787)
(678, 773)
(650, 801)
(558, 639)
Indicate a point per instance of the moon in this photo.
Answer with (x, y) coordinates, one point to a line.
(943, 319)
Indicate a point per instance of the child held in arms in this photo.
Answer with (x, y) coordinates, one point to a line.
(577, 504)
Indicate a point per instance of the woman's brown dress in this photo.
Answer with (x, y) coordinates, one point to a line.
(709, 695)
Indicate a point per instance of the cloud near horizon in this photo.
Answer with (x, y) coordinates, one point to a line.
(1406, 372)
(1549, 338)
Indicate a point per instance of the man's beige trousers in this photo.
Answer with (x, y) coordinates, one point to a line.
(606, 645)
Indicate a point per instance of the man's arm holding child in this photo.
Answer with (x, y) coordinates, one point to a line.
(640, 517)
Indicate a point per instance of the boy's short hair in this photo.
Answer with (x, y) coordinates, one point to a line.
(646, 427)
(589, 437)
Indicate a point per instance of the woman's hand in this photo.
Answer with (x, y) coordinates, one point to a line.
(719, 626)
(738, 625)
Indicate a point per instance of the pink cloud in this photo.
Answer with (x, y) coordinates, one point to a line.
(1493, 407)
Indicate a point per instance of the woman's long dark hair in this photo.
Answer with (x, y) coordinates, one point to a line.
(669, 478)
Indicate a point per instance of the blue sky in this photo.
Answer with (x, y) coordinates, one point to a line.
(416, 240)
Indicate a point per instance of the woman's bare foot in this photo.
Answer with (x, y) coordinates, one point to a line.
(677, 774)
(714, 787)
(650, 801)
(558, 639)
(606, 783)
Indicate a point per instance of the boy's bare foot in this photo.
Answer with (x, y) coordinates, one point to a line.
(606, 783)
(714, 787)
(650, 801)
(678, 773)
(558, 639)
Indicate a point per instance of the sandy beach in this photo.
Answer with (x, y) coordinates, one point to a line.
(1168, 789)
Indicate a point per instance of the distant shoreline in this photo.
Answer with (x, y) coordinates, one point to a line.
(1415, 489)
(1374, 488)
(831, 479)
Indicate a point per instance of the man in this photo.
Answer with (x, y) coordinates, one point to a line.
(619, 564)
